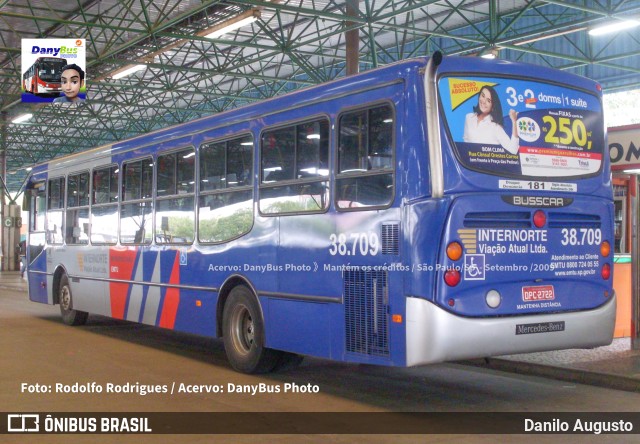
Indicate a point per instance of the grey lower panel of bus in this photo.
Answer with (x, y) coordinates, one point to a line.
(434, 335)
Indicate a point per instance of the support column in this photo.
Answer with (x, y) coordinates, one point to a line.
(10, 237)
(3, 171)
(635, 265)
(352, 39)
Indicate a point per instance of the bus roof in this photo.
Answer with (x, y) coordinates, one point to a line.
(300, 97)
(307, 95)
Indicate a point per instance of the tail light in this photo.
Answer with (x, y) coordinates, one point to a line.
(454, 251)
(539, 219)
(606, 271)
(452, 277)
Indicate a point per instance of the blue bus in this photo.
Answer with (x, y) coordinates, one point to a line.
(430, 210)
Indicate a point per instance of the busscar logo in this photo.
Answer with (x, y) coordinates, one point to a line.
(23, 423)
(538, 201)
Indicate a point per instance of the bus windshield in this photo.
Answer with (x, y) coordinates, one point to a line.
(517, 127)
(50, 69)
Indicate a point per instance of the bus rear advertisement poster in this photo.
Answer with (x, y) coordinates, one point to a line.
(555, 126)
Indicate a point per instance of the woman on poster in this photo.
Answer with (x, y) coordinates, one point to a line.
(486, 124)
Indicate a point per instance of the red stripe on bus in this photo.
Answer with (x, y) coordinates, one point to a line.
(171, 297)
(121, 262)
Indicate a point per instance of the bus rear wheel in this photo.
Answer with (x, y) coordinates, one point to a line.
(244, 335)
(69, 315)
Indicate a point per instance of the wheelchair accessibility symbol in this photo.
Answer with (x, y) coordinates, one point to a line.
(474, 267)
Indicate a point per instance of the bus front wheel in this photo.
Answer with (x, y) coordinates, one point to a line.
(244, 335)
(69, 315)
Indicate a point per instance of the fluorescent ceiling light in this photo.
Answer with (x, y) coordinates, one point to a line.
(490, 54)
(225, 26)
(128, 70)
(22, 118)
(232, 24)
(634, 171)
(614, 27)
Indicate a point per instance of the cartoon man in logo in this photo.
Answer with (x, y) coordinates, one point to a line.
(72, 81)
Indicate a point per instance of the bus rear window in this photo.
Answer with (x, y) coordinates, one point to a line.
(522, 128)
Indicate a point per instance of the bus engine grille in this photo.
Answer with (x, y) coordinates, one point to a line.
(366, 300)
(522, 219)
(390, 241)
(574, 220)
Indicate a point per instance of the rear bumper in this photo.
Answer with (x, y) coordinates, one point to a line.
(435, 335)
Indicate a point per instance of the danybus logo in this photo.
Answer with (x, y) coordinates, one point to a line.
(23, 423)
(55, 52)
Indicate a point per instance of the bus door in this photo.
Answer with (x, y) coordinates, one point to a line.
(36, 255)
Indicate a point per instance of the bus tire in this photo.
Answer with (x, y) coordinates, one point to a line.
(69, 315)
(244, 335)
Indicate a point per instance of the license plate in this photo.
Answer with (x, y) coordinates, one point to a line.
(538, 293)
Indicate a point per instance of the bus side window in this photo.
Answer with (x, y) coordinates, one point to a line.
(136, 212)
(365, 176)
(38, 207)
(294, 169)
(226, 190)
(77, 226)
(104, 205)
(175, 211)
(55, 210)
